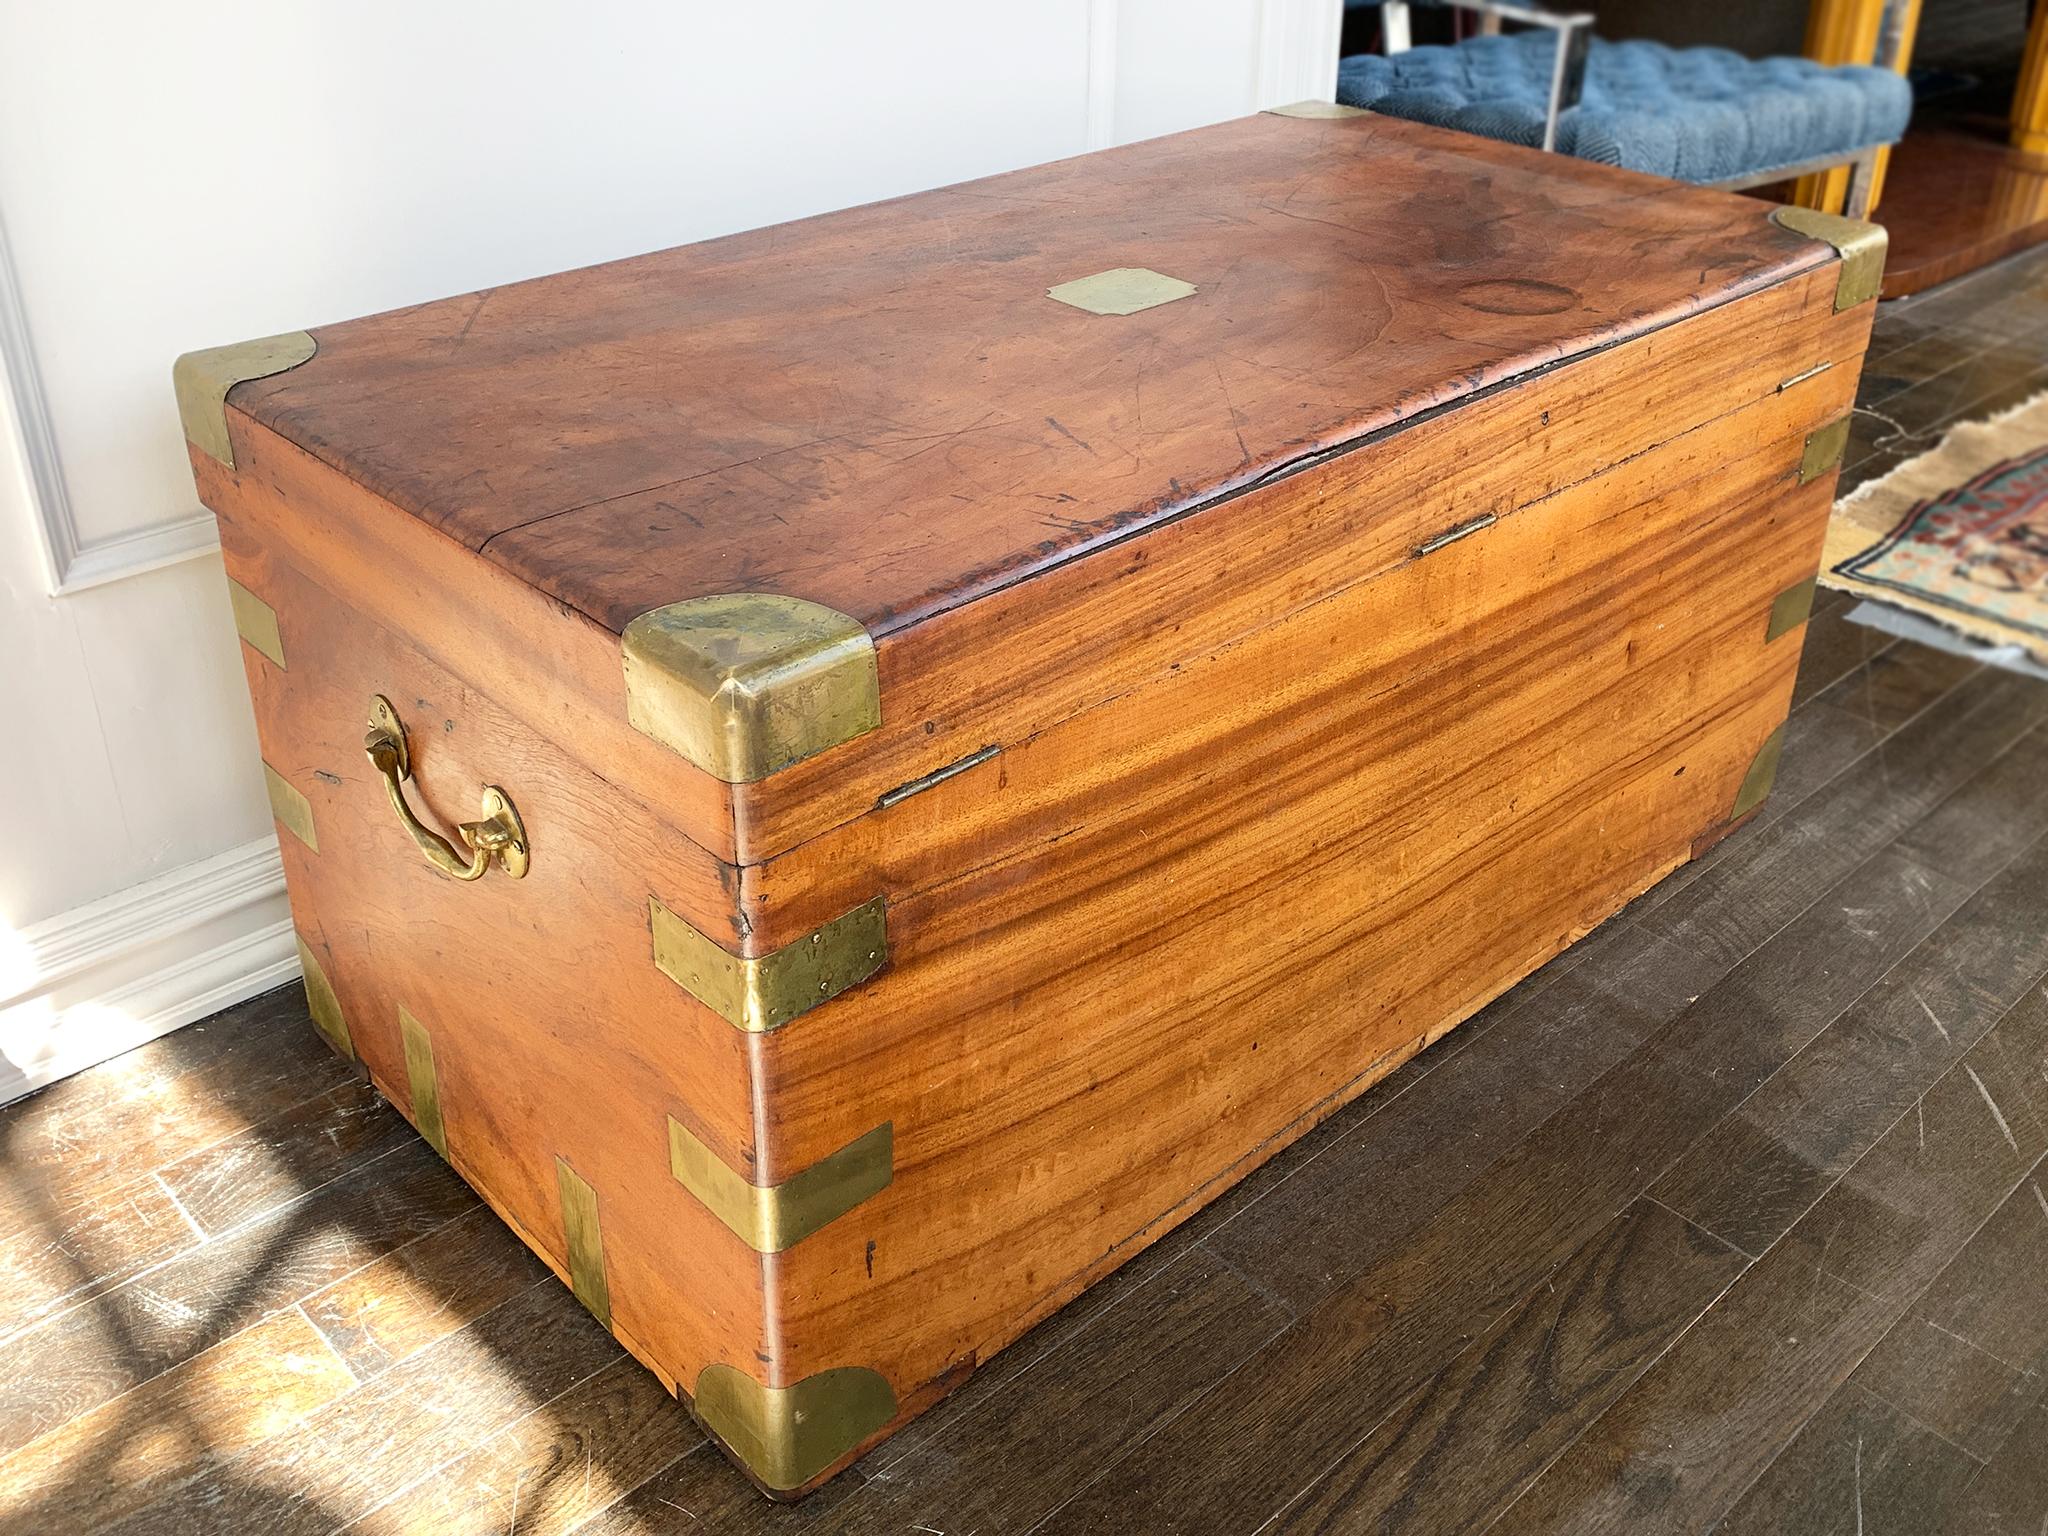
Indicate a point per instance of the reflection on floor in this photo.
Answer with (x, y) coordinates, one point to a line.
(1735, 1213)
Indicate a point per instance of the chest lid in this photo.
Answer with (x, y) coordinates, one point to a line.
(894, 409)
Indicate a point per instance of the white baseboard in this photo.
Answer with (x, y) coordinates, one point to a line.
(86, 985)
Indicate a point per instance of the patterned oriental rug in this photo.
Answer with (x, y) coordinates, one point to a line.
(1959, 534)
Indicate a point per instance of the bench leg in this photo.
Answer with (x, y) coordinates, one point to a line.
(1862, 183)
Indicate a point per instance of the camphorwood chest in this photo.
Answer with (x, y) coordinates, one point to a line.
(977, 720)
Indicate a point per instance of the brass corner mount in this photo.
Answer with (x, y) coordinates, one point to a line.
(746, 683)
(1859, 243)
(202, 381)
(788, 1437)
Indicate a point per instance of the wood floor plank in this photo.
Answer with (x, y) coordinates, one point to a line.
(86, 1248)
(116, 1342)
(426, 1289)
(1858, 1465)
(276, 1161)
(1686, 1442)
(2010, 1496)
(1486, 1425)
(110, 1461)
(1753, 1177)
(346, 1458)
(1772, 877)
(187, 1090)
(558, 1467)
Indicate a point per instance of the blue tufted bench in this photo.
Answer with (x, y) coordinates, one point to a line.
(1695, 114)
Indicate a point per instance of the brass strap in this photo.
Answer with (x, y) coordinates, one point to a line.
(321, 1002)
(770, 1218)
(764, 992)
(424, 1080)
(585, 1242)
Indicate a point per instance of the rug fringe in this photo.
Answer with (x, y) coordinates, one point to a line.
(1870, 488)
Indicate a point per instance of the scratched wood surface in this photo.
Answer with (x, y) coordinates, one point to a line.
(1731, 1216)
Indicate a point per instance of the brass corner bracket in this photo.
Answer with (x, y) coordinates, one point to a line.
(1859, 243)
(424, 1080)
(256, 623)
(293, 811)
(584, 1240)
(1763, 772)
(749, 682)
(787, 1437)
(1824, 449)
(771, 1218)
(765, 992)
(1790, 609)
(1316, 109)
(203, 379)
(322, 1004)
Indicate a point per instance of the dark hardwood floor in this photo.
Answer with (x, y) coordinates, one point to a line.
(1731, 1218)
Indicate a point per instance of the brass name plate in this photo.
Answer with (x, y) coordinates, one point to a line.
(770, 1218)
(765, 992)
(294, 812)
(585, 1242)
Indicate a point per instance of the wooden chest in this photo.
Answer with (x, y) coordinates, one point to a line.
(977, 720)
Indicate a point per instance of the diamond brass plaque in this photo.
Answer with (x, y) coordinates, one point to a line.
(1121, 291)
(1316, 109)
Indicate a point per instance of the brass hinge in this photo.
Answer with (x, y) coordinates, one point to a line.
(203, 379)
(786, 1436)
(764, 992)
(770, 1218)
(322, 1004)
(1860, 244)
(747, 683)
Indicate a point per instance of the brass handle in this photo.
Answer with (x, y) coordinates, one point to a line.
(499, 835)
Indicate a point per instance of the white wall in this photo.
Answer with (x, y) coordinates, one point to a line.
(181, 176)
